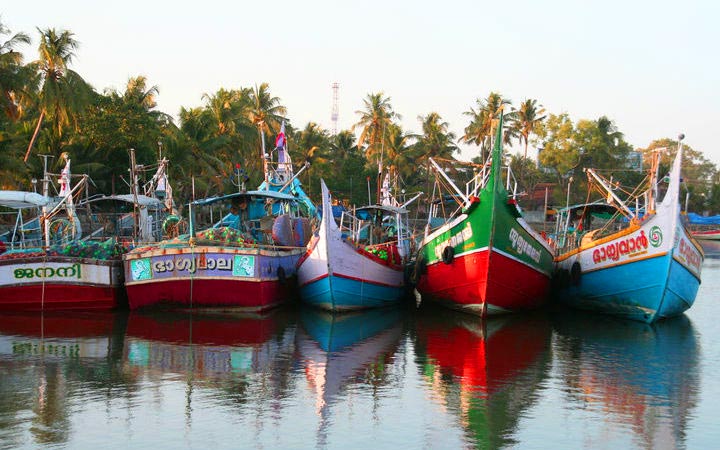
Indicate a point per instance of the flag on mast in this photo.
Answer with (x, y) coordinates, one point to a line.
(280, 143)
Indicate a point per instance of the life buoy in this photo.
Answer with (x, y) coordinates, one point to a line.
(575, 273)
(448, 254)
(281, 275)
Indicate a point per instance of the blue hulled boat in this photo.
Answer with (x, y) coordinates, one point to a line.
(631, 257)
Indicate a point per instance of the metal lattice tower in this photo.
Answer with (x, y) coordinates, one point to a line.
(334, 114)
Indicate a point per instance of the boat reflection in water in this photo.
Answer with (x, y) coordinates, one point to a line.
(206, 345)
(487, 372)
(641, 377)
(340, 351)
(47, 362)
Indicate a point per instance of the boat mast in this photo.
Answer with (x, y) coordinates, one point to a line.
(264, 155)
(46, 192)
(654, 168)
(134, 188)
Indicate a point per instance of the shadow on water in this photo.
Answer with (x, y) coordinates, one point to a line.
(633, 374)
(48, 359)
(488, 372)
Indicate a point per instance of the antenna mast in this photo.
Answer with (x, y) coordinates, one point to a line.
(335, 110)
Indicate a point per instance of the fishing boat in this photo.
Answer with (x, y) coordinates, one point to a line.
(482, 257)
(246, 260)
(704, 228)
(641, 263)
(706, 235)
(361, 262)
(65, 252)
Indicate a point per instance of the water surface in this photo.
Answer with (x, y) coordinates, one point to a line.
(398, 378)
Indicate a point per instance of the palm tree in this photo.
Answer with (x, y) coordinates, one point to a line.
(400, 153)
(63, 92)
(193, 151)
(374, 119)
(528, 117)
(342, 144)
(138, 91)
(435, 141)
(225, 107)
(482, 119)
(311, 145)
(265, 111)
(11, 73)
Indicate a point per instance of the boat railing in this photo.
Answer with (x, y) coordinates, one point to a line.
(572, 233)
(366, 232)
(280, 173)
(480, 179)
(511, 184)
(477, 182)
(16, 233)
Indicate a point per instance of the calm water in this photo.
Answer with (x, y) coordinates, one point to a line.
(299, 378)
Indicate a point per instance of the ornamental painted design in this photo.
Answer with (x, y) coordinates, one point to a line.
(656, 236)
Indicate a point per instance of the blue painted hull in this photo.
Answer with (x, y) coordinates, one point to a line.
(645, 290)
(345, 294)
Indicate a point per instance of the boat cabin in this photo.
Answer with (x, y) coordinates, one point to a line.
(260, 217)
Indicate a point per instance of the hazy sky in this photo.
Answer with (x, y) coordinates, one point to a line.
(650, 66)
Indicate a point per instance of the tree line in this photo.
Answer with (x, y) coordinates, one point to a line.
(48, 108)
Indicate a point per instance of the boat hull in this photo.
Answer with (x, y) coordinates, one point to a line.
(249, 279)
(60, 283)
(645, 273)
(336, 275)
(340, 293)
(487, 261)
(711, 235)
(485, 283)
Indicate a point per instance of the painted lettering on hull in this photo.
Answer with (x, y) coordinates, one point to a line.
(629, 247)
(66, 272)
(164, 266)
(522, 247)
(457, 239)
(688, 254)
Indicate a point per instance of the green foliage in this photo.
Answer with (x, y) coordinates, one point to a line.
(482, 123)
(374, 121)
(49, 106)
(111, 125)
(526, 120)
(700, 176)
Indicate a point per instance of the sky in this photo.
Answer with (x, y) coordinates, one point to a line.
(650, 66)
